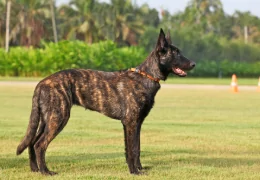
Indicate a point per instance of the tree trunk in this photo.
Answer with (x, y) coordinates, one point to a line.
(53, 21)
(246, 34)
(8, 11)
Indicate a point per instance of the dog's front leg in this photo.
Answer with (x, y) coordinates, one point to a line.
(125, 139)
(131, 142)
(137, 161)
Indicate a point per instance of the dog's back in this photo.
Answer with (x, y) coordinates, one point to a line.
(105, 92)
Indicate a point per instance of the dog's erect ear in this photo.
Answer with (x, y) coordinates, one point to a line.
(168, 38)
(162, 43)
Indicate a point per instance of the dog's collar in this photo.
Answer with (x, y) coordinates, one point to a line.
(144, 74)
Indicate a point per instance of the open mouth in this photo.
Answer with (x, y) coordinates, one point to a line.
(179, 72)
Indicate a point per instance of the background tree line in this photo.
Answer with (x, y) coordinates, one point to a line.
(203, 30)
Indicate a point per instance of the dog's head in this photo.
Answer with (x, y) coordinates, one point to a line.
(171, 58)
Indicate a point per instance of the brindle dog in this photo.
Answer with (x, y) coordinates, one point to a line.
(126, 95)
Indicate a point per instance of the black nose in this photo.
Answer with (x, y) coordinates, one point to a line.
(192, 64)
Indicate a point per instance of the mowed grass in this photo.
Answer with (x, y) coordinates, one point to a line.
(189, 134)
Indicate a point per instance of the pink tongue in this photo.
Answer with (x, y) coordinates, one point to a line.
(179, 71)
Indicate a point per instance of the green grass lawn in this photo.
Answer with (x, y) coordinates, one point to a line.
(189, 134)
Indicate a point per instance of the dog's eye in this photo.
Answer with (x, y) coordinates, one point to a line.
(177, 53)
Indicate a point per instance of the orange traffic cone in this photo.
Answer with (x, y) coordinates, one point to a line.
(234, 87)
(258, 87)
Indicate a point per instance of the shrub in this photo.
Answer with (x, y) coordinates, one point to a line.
(22, 61)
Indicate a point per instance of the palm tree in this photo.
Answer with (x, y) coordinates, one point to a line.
(53, 21)
(2, 22)
(246, 19)
(206, 13)
(8, 10)
(29, 19)
(91, 21)
(79, 21)
(150, 17)
(123, 22)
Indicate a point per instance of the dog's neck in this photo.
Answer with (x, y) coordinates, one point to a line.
(152, 67)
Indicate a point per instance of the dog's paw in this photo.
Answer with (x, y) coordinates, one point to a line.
(49, 173)
(34, 169)
(136, 171)
(139, 167)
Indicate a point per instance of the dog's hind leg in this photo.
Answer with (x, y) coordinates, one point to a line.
(54, 124)
(32, 154)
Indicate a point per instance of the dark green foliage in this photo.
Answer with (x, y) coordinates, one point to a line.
(21, 61)
(212, 56)
(226, 69)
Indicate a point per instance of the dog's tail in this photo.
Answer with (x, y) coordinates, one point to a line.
(32, 127)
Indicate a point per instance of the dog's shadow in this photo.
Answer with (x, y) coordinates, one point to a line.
(149, 160)
(157, 159)
(20, 162)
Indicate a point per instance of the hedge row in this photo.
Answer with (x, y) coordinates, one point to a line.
(21, 61)
(225, 68)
